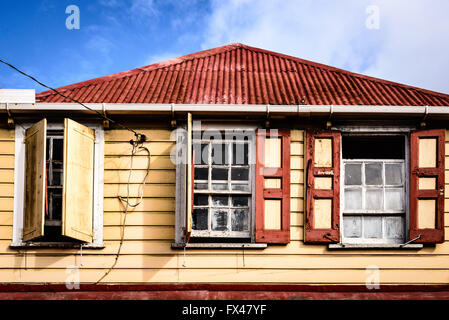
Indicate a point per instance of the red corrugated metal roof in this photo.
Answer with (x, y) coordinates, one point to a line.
(239, 74)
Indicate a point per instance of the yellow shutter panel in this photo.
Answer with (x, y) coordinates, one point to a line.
(34, 216)
(189, 193)
(78, 185)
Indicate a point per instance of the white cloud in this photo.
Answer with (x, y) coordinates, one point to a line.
(155, 58)
(410, 47)
(143, 8)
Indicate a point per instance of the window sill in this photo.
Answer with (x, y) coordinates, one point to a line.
(414, 246)
(219, 245)
(57, 245)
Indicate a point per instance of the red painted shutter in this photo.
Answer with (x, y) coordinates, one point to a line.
(427, 186)
(322, 176)
(279, 194)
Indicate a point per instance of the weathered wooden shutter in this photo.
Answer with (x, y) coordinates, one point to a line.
(273, 186)
(78, 184)
(427, 186)
(35, 177)
(322, 187)
(190, 177)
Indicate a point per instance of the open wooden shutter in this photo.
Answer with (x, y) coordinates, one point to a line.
(427, 186)
(273, 186)
(35, 177)
(322, 187)
(78, 184)
(190, 177)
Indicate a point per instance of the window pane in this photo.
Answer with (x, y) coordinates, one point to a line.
(219, 186)
(199, 219)
(201, 153)
(393, 174)
(374, 199)
(219, 220)
(201, 186)
(394, 199)
(240, 153)
(240, 187)
(201, 173)
(239, 201)
(219, 174)
(200, 200)
(353, 174)
(352, 226)
(57, 149)
(373, 174)
(239, 174)
(220, 154)
(394, 227)
(353, 199)
(55, 205)
(372, 227)
(220, 201)
(239, 220)
(57, 178)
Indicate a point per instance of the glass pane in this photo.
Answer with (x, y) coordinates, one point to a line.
(219, 174)
(240, 201)
(199, 219)
(201, 173)
(239, 220)
(200, 200)
(48, 149)
(57, 149)
(219, 186)
(240, 153)
(220, 154)
(220, 201)
(374, 199)
(219, 220)
(240, 187)
(57, 178)
(393, 174)
(201, 186)
(394, 199)
(373, 174)
(352, 226)
(394, 227)
(372, 227)
(353, 199)
(55, 206)
(239, 174)
(353, 174)
(201, 153)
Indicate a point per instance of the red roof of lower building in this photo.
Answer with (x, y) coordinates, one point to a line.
(239, 74)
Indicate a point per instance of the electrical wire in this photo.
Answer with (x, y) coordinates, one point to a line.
(136, 148)
(103, 116)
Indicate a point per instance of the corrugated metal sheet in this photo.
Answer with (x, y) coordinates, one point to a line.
(239, 74)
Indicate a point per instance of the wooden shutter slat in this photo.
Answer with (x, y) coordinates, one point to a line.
(436, 234)
(35, 181)
(78, 183)
(322, 235)
(265, 235)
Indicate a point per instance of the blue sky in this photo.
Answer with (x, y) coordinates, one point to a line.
(398, 40)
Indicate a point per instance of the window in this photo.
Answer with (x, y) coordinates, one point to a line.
(218, 169)
(222, 184)
(58, 194)
(374, 189)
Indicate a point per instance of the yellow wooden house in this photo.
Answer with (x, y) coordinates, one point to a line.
(234, 172)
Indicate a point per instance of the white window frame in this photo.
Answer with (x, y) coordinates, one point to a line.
(374, 131)
(19, 186)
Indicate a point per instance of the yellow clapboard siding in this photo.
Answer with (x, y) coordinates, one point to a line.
(139, 162)
(6, 232)
(7, 134)
(137, 176)
(6, 218)
(151, 135)
(147, 204)
(296, 176)
(296, 149)
(297, 162)
(7, 147)
(6, 161)
(139, 232)
(296, 204)
(139, 219)
(296, 219)
(296, 190)
(149, 190)
(297, 135)
(6, 190)
(7, 175)
(6, 204)
(122, 148)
